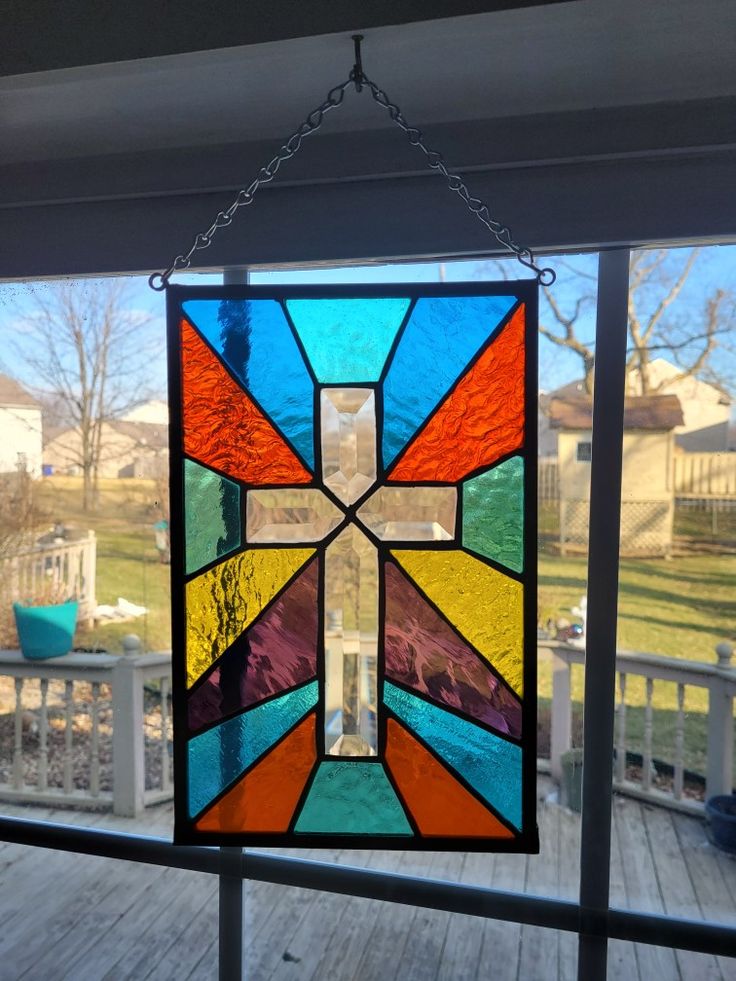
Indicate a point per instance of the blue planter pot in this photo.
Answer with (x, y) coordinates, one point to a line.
(46, 631)
(720, 814)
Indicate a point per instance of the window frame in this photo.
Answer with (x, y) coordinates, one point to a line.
(592, 918)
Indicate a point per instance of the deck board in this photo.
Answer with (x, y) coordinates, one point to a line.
(676, 888)
(69, 917)
(541, 946)
(642, 888)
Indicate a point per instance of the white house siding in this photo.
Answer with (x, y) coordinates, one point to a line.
(20, 438)
(706, 409)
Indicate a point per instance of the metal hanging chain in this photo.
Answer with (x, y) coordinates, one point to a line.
(502, 233)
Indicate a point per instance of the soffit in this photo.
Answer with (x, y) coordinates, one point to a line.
(586, 55)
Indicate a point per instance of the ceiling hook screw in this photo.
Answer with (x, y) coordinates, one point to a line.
(357, 73)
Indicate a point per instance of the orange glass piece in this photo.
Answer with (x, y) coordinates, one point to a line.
(265, 798)
(223, 428)
(480, 421)
(439, 804)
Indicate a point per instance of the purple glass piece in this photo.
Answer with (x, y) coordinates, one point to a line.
(424, 652)
(278, 652)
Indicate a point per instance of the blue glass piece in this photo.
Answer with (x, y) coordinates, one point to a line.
(443, 334)
(347, 340)
(352, 798)
(493, 513)
(220, 755)
(211, 515)
(255, 341)
(490, 764)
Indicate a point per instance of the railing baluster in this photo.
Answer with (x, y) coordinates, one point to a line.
(647, 757)
(679, 741)
(68, 736)
(94, 752)
(165, 777)
(621, 747)
(18, 780)
(43, 739)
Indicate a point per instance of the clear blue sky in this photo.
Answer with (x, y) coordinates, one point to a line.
(715, 268)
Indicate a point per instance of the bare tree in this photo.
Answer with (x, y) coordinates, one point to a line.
(20, 514)
(86, 344)
(686, 335)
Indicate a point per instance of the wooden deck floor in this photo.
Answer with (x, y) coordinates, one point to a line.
(82, 918)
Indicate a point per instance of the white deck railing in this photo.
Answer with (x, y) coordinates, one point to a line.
(115, 708)
(68, 566)
(719, 680)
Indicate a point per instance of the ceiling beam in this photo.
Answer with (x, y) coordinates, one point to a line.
(47, 35)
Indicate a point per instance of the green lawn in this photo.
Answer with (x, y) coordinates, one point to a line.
(127, 561)
(681, 607)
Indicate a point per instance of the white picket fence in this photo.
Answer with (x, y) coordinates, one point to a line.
(68, 567)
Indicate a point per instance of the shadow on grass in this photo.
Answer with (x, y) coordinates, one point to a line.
(703, 628)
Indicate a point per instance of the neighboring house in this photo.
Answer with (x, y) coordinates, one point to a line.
(647, 495)
(153, 411)
(129, 449)
(546, 436)
(21, 428)
(706, 408)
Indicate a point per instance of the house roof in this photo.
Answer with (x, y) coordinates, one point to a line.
(11, 393)
(653, 412)
(665, 374)
(147, 434)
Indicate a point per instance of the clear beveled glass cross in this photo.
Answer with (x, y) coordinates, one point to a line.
(355, 516)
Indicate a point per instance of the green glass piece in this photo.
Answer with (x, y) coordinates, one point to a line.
(211, 515)
(493, 513)
(353, 798)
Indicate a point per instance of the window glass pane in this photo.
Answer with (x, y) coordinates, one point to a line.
(674, 740)
(83, 533)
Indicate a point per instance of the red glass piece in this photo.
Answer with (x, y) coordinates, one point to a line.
(223, 428)
(439, 804)
(278, 652)
(423, 652)
(265, 798)
(480, 421)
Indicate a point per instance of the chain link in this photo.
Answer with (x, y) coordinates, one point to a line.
(244, 197)
(435, 160)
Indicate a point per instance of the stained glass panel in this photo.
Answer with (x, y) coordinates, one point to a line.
(352, 565)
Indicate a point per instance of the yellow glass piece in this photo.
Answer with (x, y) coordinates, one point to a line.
(485, 606)
(222, 602)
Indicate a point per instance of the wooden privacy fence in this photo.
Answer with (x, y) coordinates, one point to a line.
(703, 475)
(69, 568)
(88, 730)
(719, 680)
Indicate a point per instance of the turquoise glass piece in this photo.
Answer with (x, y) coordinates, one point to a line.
(255, 341)
(442, 335)
(220, 755)
(352, 798)
(493, 513)
(490, 764)
(347, 340)
(211, 515)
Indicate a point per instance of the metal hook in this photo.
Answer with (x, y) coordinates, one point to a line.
(357, 73)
